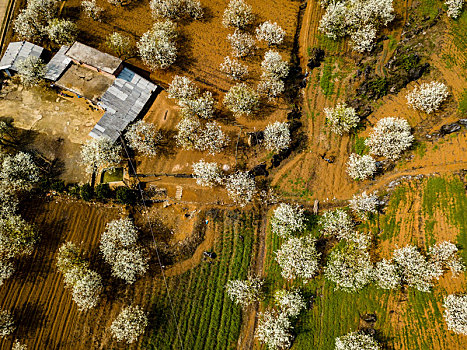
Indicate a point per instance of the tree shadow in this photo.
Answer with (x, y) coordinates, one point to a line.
(30, 317)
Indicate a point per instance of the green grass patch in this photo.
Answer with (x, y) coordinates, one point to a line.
(359, 146)
(329, 44)
(463, 102)
(428, 8)
(326, 82)
(112, 175)
(458, 29)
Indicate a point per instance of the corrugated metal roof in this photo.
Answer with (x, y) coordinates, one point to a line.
(123, 102)
(94, 58)
(18, 51)
(58, 64)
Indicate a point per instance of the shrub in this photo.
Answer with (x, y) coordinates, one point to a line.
(125, 195)
(86, 192)
(103, 192)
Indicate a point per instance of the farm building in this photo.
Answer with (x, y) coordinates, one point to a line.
(97, 76)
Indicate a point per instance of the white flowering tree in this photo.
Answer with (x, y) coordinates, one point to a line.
(386, 275)
(207, 174)
(31, 70)
(428, 97)
(91, 9)
(62, 31)
(276, 137)
(32, 21)
(201, 106)
(361, 167)
(287, 219)
(129, 324)
(356, 341)
(237, 14)
(364, 204)
(157, 46)
(6, 270)
(17, 237)
(341, 119)
(188, 129)
(337, 223)
(363, 39)
(120, 249)
(175, 9)
(18, 346)
(298, 258)
(273, 66)
(334, 22)
(289, 302)
(270, 87)
(454, 7)
(243, 44)
(182, 88)
(241, 100)
(274, 330)
(416, 271)
(241, 187)
(233, 68)
(19, 171)
(270, 32)
(98, 153)
(446, 254)
(7, 323)
(143, 137)
(455, 313)
(244, 292)
(120, 44)
(390, 137)
(211, 138)
(349, 268)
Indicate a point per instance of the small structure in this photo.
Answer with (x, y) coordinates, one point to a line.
(179, 192)
(17, 52)
(94, 59)
(58, 64)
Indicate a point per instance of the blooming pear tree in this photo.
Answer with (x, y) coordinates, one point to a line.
(129, 324)
(454, 7)
(18, 346)
(455, 313)
(17, 237)
(233, 68)
(157, 46)
(390, 137)
(201, 106)
(143, 137)
(356, 340)
(446, 254)
(187, 135)
(244, 292)
(386, 275)
(298, 258)
(31, 71)
(270, 88)
(243, 44)
(207, 174)
(241, 100)
(121, 250)
(6, 270)
(238, 14)
(241, 187)
(276, 137)
(19, 172)
(361, 167)
(176, 9)
(182, 88)
(287, 219)
(273, 66)
(337, 223)
(274, 330)
(7, 323)
(341, 119)
(32, 21)
(91, 9)
(428, 97)
(62, 31)
(98, 153)
(211, 138)
(364, 204)
(120, 44)
(289, 302)
(270, 32)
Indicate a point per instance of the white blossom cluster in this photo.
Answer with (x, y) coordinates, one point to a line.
(19, 172)
(241, 187)
(361, 167)
(298, 257)
(241, 100)
(182, 88)
(364, 204)
(274, 71)
(129, 324)
(455, 313)
(191, 135)
(270, 88)
(445, 254)
(201, 106)
(233, 68)
(237, 14)
(242, 44)
(207, 174)
(356, 341)
(119, 43)
(276, 137)
(86, 285)
(349, 269)
(416, 271)
(337, 223)
(98, 153)
(428, 97)
(175, 9)
(62, 31)
(274, 330)
(31, 70)
(454, 7)
(121, 250)
(157, 46)
(287, 219)
(18, 346)
(143, 137)
(17, 237)
(270, 32)
(32, 21)
(244, 292)
(290, 303)
(7, 324)
(91, 9)
(6, 270)
(357, 18)
(390, 137)
(341, 119)
(187, 135)
(386, 275)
